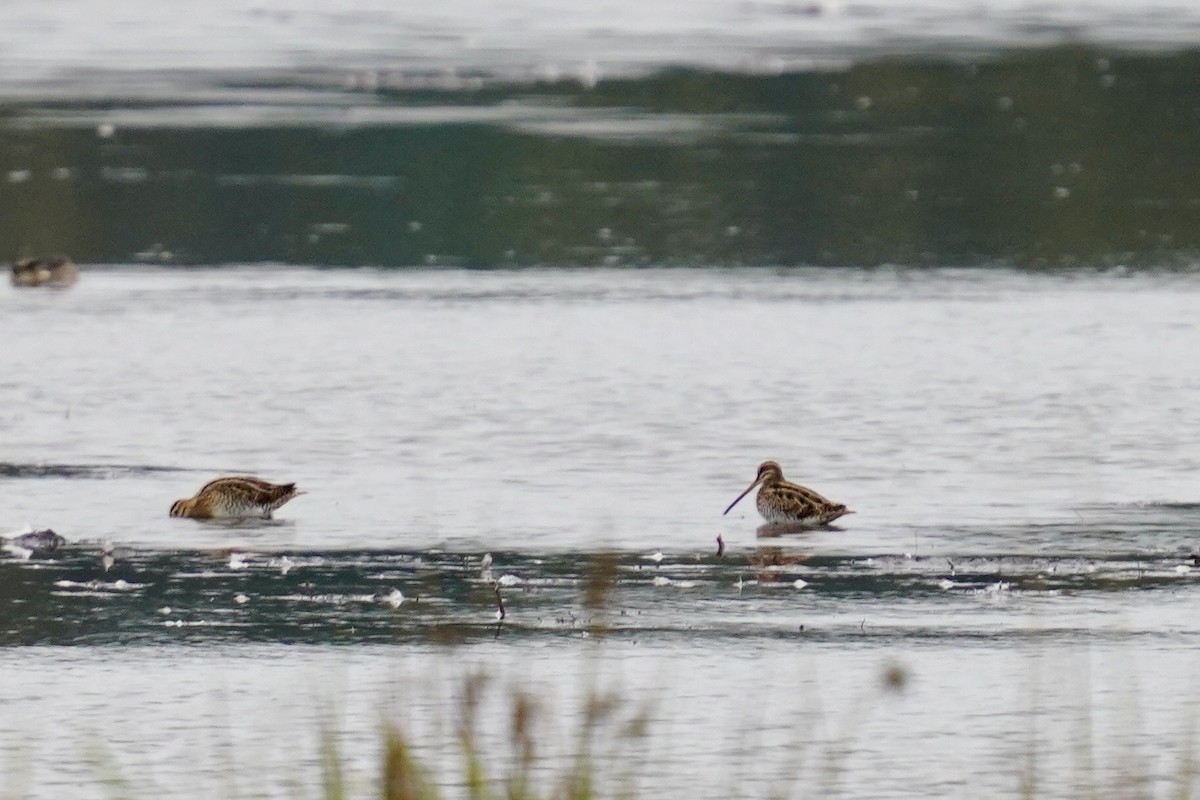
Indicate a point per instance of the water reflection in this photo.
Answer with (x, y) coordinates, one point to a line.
(101, 593)
(1054, 157)
(770, 530)
(772, 563)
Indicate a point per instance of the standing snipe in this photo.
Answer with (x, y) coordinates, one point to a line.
(236, 496)
(782, 502)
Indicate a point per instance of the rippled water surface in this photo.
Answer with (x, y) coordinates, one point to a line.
(518, 471)
(72, 45)
(1020, 450)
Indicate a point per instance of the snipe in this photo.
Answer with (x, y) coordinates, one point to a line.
(780, 501)
(235, 496)
(51, 271)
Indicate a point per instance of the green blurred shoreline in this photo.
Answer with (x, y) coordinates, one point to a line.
(1044, 158)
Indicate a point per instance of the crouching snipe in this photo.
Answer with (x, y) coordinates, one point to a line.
(52, 271)
(782, 502)
(237, 496)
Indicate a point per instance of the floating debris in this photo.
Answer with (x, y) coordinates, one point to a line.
(31, 543)
(661, 581)
(94, 586)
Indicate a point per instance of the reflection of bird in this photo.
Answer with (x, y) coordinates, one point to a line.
(50, 271)
(236, 496)
(781, 501)
(771, 562)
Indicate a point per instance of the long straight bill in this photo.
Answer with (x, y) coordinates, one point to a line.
(740, 496)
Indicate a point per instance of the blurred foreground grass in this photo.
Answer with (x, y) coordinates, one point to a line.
(493, 738)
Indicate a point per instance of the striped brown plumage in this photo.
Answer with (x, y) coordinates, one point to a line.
(780, 501)
(235, 496)
(49, 271)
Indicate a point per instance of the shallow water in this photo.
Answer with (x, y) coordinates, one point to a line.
(832, 134)
(75, 47)
(1016, 448)
(521, 472)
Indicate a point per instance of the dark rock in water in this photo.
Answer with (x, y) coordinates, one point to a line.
(45, 541)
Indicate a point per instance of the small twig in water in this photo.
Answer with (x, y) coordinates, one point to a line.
(499, 602)
(720, 546)
(862, 626)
